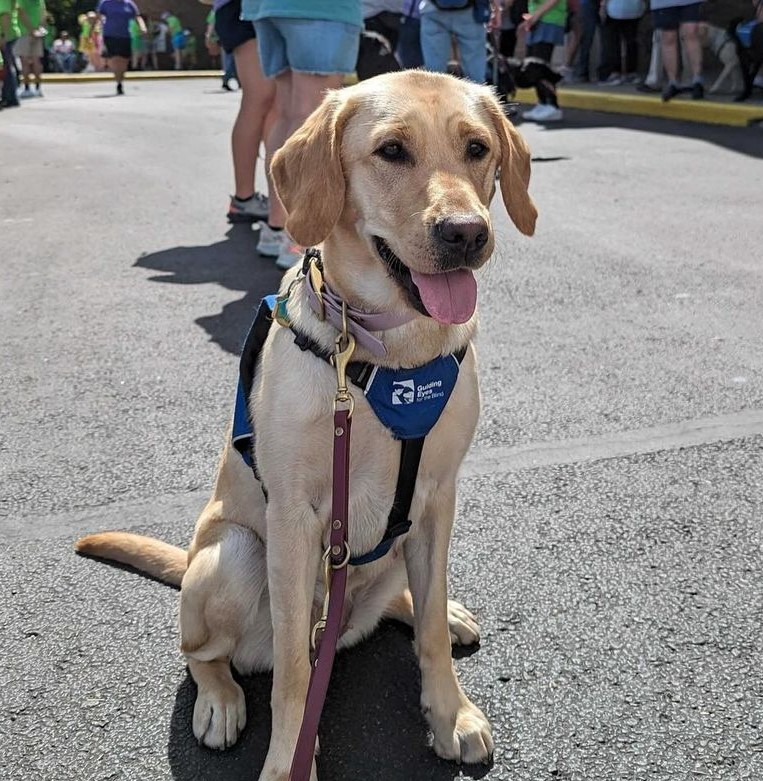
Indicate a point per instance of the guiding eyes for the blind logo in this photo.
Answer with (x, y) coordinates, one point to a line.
(406, 391)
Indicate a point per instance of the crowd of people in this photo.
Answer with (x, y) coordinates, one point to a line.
(113, 37)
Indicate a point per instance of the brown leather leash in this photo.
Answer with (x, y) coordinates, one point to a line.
(325, 634)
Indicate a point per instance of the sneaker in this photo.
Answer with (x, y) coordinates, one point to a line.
(38, 92)
(697, 91)
(632, 78)
(272, 243)
(544, 113)
(670, 92)
(227, 87)
(290, 256)
(255, 209)
(26, 93)
(613, 80)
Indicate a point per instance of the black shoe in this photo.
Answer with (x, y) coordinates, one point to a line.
(670, 92)
(697, 91)
(120, 90)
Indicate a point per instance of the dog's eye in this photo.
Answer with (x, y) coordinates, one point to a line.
(476, 150)
(393, 151)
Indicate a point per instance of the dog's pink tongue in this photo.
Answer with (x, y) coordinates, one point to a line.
(450, 297)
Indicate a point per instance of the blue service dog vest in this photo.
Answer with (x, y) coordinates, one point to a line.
(408, 402)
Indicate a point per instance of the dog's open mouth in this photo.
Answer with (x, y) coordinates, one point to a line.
(449, 297)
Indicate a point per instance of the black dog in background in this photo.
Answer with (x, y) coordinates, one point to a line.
(748, 37)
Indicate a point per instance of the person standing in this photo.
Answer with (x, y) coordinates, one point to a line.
(443, 20)
(30, 46)
(10, 32)
(544, 25)
(138, 43)
(177, 37)
(590, 21)
(621, 18)
(116, 16)
(671, 17)
(255, 114)
(287, 32)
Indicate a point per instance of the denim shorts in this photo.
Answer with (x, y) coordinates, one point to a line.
(306, 46)
(543, 32)
(673, 17)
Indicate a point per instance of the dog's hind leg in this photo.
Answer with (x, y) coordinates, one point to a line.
(725, 73)
(219, 600)
(461, 731)
(463, 626)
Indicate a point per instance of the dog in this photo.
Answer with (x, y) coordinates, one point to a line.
(723, 46)
(748, 39)
(393, 177)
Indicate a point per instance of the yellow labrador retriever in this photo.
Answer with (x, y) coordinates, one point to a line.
(394, 177)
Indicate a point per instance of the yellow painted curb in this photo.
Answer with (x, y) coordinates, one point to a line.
(707, 111)
(76, 78)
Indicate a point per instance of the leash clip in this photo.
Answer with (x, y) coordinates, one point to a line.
(345, 347)
(316, 278)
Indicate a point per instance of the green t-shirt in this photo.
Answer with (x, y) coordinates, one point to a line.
(11, 23)
(174, 24)
(211, 17)
(134, 29)
(557, 15)
(348, 11)
(35, 10)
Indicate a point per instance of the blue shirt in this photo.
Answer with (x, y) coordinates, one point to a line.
(118, 14)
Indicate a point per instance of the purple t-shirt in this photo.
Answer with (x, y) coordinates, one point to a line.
(118, 14)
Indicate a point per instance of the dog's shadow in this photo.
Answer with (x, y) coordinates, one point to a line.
(371, 726)
(232, 263)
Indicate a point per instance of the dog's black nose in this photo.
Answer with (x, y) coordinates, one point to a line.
(463, 234)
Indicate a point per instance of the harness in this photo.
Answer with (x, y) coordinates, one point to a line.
(407, 401)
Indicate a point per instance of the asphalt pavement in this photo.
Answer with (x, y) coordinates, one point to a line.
(609, 531)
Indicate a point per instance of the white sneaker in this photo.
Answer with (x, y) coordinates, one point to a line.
(271, 243)
(26, 93)
(290, 256)
(253, 210)
(544, 113)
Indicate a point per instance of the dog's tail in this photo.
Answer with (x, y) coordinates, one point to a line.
(154, 557)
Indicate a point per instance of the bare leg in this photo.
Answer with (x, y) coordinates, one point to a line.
(669, 43)
(257, 94)
(297, 96)
(693, 48)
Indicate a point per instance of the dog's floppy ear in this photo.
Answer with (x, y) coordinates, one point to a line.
(307, 173)
(515, 170)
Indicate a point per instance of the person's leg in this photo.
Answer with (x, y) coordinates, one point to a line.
(693, 47)
(118, 67)
(507, 42)
(37, 68)
(629, 31)
(669, 46)
(610, 49)
(10, 83)
(409, 43)
(435, 41)
(471, 42)
(257, 98)
(589, 21)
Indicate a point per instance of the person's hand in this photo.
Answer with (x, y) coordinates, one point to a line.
(528, 22)
(40, 32)
(496, 14)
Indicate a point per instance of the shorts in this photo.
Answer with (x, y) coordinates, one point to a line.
(230, 28)
(178, 41)
(29, 46)
(673, 17)
(116, 47)
(290, 44)
(543, 32)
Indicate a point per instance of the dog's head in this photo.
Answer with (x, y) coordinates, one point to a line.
(403, 166)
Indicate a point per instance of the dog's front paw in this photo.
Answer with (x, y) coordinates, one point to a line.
(467, 739)
(463, 626)
(219, 715)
